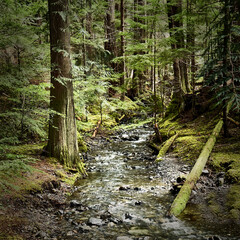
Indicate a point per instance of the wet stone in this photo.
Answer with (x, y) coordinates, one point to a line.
(115, 220)
(128, 216)
(138, 232)
(96, 221)
(124, 188)
(84, 228)
(138, 203)
(41, 234)
(70, 233)
(205, 172)
(214, 238)
(124, 238)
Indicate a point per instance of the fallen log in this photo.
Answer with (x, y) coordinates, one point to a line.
(96, 129)
(165, 147)
(183, 196)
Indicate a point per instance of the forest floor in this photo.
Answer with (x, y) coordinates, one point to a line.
(40, 193)
(216, 195)
(35, 200)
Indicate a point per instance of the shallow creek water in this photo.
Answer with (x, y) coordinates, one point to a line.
(126, 195)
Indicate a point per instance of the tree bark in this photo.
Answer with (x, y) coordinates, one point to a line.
(110, 44)
(62, 138)
(172, 10)
(183, 196)
(122, 65)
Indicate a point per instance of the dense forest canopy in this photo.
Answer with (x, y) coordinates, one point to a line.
(153, 56)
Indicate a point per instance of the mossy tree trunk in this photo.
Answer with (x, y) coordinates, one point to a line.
(62, 139)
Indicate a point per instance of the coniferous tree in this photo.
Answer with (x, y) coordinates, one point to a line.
(62, 142)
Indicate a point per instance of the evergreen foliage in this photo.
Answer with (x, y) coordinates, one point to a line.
(221, 68)
(24, 100)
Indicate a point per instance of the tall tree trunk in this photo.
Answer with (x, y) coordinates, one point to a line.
(110, 43)
(177, 89)
(122, 65)
(226, 32)
(139, 37)
(89, 48)
(62, 139)
(191, 46)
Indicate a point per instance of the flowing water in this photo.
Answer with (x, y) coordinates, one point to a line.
(126, 195)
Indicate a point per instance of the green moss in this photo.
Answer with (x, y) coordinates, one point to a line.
(188, 148)
(213, 203)
(228, 162)
(233, 201)
(69, 179)
(10, 237)
(27, 149)
(81, 144)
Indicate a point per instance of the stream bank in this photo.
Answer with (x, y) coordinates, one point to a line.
(126, 196)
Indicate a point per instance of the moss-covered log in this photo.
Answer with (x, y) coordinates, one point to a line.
(165, 147)
(183, 196)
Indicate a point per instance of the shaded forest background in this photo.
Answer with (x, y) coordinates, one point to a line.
(129, 58)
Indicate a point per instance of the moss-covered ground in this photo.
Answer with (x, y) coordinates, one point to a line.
(192, 135)
(225, 158)
(23, 172)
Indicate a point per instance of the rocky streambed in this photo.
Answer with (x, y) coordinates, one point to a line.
(126, 196)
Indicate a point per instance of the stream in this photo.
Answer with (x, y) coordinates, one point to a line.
(126, 195)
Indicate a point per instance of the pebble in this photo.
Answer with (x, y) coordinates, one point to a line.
(95, 221)
(75, 203)
(70, 233)
(205, 172)
(122, 188)
(123, 238)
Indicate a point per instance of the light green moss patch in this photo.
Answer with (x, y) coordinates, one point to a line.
(188, 148)
(27, 149)
(229, 162)
(69, 179)
(233, 201)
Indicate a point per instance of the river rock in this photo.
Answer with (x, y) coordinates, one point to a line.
(70, 233)
(205, 172)
(42, 235)
(124, 188)
(138, 232)
(124, 238)
(115, 220)
(84, 228)
(138, 203)
(214, 238)
(75, 203)
(95, 221)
